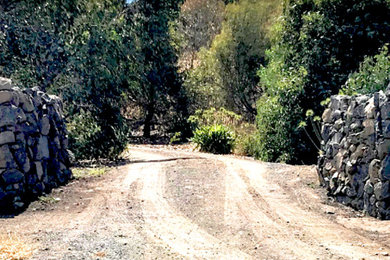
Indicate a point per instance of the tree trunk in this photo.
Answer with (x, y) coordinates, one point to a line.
(148, 120)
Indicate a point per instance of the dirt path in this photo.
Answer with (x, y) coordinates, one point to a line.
(180, 205)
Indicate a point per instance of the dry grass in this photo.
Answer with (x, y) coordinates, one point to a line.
(87, 172)
(12, 248)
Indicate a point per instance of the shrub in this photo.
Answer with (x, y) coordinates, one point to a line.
(217, 139)
(248, 145)
(176, 138)
(88, 139)
(82, 134)
(214, 116)
(315, 46)
(373, 75)
(224, 73)
(241, 129)
(273, 126)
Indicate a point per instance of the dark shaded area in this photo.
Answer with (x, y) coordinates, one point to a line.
(166, 160)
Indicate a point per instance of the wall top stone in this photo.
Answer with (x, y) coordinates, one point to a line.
(5, 84)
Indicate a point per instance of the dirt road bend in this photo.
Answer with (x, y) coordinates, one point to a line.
(167, 204)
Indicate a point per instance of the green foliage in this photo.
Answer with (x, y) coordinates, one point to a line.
(273, 125)
(315, 46)
(277, 108)
(197, 25)
(373, 75)
(203, 83)
(89, 52)
(83, 132)
(225, 75)
(242, 130)
(217, 139)
(30, 50)
(176, 138)
(159, 90)
(215, 116)
(315, 124)
(82, 50)
(99, 50)
(249, 145)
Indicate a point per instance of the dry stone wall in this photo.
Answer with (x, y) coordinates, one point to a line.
(354, 164)
(33, 145)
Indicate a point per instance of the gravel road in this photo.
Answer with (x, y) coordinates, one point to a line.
(167, 204)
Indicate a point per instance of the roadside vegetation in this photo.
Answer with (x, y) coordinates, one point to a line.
(243, 76)
(88, 172)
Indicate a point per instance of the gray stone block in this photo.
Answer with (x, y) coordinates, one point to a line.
(327, 116)
(369, 128)
(6, 97)
(5, 84)
(12, 176)
(381, 190)
(42, 149)
(386, 129)
(373, 170)
(7, 137)
(45, 125)
(385, 169)
(383, 148)
(370, 109)
(385, 111)
(27, 104)
(6, 158)
(8, 115)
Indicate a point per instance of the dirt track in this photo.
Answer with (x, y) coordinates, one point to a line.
(174, 205)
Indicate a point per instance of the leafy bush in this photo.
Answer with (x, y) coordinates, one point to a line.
(176, 138)
(274, 131)
(224, 74)
(373, 75)
(217, 139)
(242, 130)
(248, 145)
(83, 130)
(89, 140)
(315, 46)
(214, 116)
(278, 109)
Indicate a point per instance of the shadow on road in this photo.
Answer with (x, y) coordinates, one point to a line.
(165, 160)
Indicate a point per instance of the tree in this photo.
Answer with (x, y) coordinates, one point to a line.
(198, 23)
(229, 67)
(316, 46)
(159, 91)
(82, 50)
(31, 39)
(99, 74)
(240, 48)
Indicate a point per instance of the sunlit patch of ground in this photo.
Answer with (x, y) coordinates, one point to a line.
(12, 248)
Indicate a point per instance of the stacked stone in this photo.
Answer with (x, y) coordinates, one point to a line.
(33, 145)
(354, 164)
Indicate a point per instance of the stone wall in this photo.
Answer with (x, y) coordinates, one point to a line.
(33, 145)
(354, 164)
